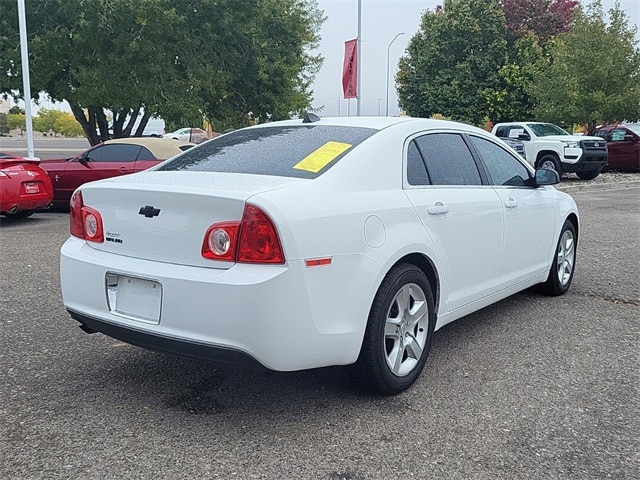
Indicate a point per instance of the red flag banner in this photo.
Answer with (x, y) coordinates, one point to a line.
(350, 69)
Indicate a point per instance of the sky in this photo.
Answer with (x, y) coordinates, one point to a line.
(381, 21)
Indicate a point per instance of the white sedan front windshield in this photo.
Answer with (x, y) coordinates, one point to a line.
(546, 129)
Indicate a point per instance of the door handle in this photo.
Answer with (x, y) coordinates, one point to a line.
(438, 209)
(126, 170)
(510, 203)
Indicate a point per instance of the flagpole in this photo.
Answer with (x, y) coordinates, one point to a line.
(359, 57)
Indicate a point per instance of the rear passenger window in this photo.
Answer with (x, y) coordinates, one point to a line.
(416, 171)
(448, 159)
(145, 154)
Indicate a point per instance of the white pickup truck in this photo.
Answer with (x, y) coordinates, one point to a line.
(549, 146)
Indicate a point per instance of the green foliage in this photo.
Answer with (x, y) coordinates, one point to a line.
(46, 121)
(509, 99)
(16, 121)
(182, 60)
(590, 75)
(68, 126)
(452, 60)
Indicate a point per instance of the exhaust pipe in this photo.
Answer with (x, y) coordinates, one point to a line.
(13, 210)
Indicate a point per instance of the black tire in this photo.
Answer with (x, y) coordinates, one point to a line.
(405, 283)
(588, 174)
(564, 262)
(550, 162)
(19, 214)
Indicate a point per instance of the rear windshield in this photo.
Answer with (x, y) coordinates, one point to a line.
(292, 151)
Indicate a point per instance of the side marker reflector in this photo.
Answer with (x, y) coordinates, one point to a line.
(316, 262)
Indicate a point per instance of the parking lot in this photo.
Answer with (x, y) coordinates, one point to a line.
(529, 388)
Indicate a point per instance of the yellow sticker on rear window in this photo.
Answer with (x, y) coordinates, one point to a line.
(321, 157)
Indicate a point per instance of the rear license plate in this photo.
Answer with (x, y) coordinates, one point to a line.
(32, 187)
(134, 297)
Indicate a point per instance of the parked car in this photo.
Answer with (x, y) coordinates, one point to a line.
(109, 159)
(302, 244)
(623, 142)
(195, 135)
(24, 186)
(549, 146)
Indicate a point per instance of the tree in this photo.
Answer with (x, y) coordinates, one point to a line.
(16, 121)
(510, 99)
(68, 126)
(590, 75)
(183, 60)
(543, 18)
(452, 60)
(530, 24)
(46, 121)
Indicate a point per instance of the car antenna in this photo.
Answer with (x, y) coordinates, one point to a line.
(310, 118)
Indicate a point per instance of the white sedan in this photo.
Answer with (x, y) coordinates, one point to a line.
(194, 135)
(302, 244)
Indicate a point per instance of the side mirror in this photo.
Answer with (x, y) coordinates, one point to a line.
(545, 176)
(83, 159)
(524, 136)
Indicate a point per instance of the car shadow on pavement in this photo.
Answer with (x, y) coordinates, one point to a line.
(163, 382)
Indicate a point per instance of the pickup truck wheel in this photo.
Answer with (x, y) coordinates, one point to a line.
(588, 174)
(550, 162)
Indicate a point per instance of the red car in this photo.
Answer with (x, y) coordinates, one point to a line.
(109, 159)
(623, 143)
(24, 186)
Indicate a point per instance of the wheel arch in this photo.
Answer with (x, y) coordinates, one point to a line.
(573, 218)
(427, 266)
(542, 153)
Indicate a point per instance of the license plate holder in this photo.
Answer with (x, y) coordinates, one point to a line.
(31, 187)
(137, 298)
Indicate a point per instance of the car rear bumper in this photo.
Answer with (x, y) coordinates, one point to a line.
(285, 317)
(160, 343)
(12, 198)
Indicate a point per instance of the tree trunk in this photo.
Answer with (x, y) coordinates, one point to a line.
(88, 124)
(143, 124)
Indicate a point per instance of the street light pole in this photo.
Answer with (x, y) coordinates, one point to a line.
(388, 49)
(26, 84)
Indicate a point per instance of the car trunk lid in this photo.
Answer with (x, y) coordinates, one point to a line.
(163, 216)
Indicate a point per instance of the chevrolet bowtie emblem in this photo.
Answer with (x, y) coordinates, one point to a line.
(148, 211)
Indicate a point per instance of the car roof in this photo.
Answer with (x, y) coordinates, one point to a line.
(162, 148)
(377, 123)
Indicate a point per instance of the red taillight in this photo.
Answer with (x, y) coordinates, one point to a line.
(252, 240)
(258, 239)
(85, 222)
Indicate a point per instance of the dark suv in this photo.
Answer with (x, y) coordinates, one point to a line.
(623, 143)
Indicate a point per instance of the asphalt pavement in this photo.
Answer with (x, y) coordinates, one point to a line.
(45, 147)
(530, 388)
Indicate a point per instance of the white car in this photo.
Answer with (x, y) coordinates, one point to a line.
(302, 244)
(194, 135)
